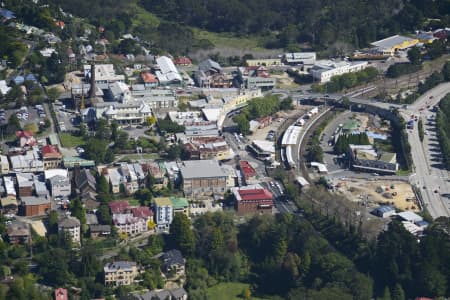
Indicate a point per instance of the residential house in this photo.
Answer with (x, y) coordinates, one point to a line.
(158, 172)
(163, 213)
(59, 182)
(61, 294)
(115, 179)
(253, 199)
(71, 227)
(175, 294)
(35, 206)
(173, 263)
(149, 80)
(130, 220)
(98, 231)
(85, 184)
(25, 139)
(18, 233)
(202, 177)
(183, 61)
(180, 205)
(120, 273)
(4, 165)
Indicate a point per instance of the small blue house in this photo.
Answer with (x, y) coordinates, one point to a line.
(18, 80)
(31, 77)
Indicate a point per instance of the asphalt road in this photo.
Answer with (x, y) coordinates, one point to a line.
(430, 175)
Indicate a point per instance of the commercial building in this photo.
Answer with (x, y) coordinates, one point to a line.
(120, 273)
(324, 70)
(70, 226)
(128, 113)
(59, 182)
(202, 177)
(252, 199)
(248, 172)
(300, 58)
(30, 162)
(155, 98)
(104, 75)
(35, 206)
(163, 213)
(210, 75)
(264, 150)
(180, 205)
(167, 73)
(384, 211)
(264, 62)
(207, 148)
(51, 156)
(390, 45)
(365, 158)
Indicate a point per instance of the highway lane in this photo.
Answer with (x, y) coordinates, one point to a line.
(432, 179)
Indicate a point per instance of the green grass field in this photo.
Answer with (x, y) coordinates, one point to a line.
(229, 40)
(228, 291)
(70, 141)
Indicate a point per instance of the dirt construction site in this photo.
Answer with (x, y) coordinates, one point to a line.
(378, 192)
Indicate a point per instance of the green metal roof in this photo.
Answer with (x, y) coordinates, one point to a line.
(179, 203)
(71, 161)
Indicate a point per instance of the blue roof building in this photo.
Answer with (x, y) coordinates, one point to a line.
(384, 211)
(31, 77)
(17, 80)
(7, 14)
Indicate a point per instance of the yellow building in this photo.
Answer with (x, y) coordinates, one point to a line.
(263, 62)
(389, 46)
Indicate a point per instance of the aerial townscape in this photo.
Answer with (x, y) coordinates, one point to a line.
(224, 150)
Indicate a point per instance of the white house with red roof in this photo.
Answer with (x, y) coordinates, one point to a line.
(25, 138)
(130, 220)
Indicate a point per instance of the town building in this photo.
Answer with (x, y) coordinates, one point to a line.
(252, 199)
(158, 172)
(120, 273)
(97, 231)
(10, 190)
(70, 226)
(207, 148)
(4, 165)
(163, 213)
(25, 139)
(180, 205)
(35, 206)
(324, 70)
(391, 45)
(384, 211)
(128, 113)
(118, 91)
(264, 150)
(167, 73)
(173, 263)
(51, 157)
(304, 59)
(255, 77)
(128, 220)
(183, 61)
(156, 99)
(248, 172)
(210, 75)
(104, 75)
(175, 294)
(18, 233)
(264, 62)
(203, 177)
(59, 182)
(28, 162)
(148, 79)
(365, 158)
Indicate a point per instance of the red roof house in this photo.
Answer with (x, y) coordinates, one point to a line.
(182, 61)
(143, 212)
(118, 207)
(61, 294)
(148, 78)
(51, 157)
(25, 138)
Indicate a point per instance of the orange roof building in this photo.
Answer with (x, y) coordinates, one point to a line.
(51, 157)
